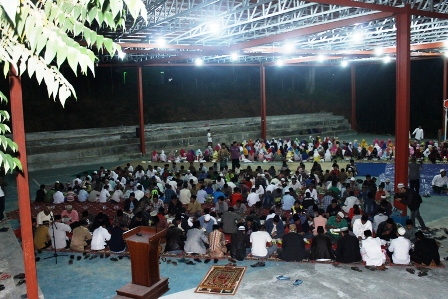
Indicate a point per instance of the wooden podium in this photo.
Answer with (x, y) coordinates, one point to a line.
(143, 243)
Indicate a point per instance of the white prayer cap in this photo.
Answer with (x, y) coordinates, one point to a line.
(442, 170)
(241, 228)
(400, 185)
(401, 231)
(340, 214)
(207, 217)
(352, 179)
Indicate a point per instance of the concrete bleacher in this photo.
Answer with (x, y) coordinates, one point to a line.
(47, 150)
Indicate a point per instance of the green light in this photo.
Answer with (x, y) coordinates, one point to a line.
(162, 72)
(124, 77)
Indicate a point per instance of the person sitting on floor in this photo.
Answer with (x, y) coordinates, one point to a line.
(240, 244)
(45, 215)
(399, 248)
(229, 220)
(261, 246)
(196, 240)
(371, 251)
(275, 227)
(321, 246)
(116, 243)
(217, 242)
(410, 231)
(293, 246)
(138, 220)
(320, 220)
(426, 251)
(175, 238)
(81, 236)
(439, 182)
(347, 250)
(361, 225)
(70, 216)
(380, 217)
(58, 232)
(99, 237)
(335, 222)
(42, 238)
(387, 230)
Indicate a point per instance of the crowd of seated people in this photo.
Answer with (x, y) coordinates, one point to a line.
(295, 214)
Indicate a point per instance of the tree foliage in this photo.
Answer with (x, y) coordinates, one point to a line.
(38, 36)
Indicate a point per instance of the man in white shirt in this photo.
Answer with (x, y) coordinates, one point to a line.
(371, 251)
(209, 138)
(399, 248)
(440, 182)
(350, 201)
(139, 192)
(312, 191)
(271, 187)
(99, 238)
(261, 246)
(361, 225)
(418, 132)
(104, 194)
(184, 194)
(380, 217)
(118, 196)
(58, 197)
(58, 233)
(252, 198)
(45, 215)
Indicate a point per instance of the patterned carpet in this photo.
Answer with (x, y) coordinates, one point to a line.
(222, 280)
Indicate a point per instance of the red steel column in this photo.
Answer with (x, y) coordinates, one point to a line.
(263, 101)
(140, 108)
(23, 189)
(403, 99)
(445, 78)
(353, 77)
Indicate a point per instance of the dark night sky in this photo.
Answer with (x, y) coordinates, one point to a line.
(174, 94)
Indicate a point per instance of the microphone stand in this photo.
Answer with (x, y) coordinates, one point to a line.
(55, 254)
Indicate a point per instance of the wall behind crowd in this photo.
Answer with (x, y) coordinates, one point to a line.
(173, 94)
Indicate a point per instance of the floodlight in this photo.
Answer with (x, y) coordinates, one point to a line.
(215, 27)
(386, 59)
(320, 58)
(289, 47)
(234, 56)
(279, 62)
(344, 63)
(378, 51)
(161, 42)
(357, 37)
(199, 62)
(121, 55)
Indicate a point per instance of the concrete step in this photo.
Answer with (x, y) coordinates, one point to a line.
(104, 145)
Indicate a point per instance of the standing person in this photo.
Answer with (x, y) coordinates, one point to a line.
(413, 200)
(209, 138)
(418, 132)
(414, 175)
(235, 155)
(223, 156)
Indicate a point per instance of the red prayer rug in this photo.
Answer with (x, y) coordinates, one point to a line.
(222, 280)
